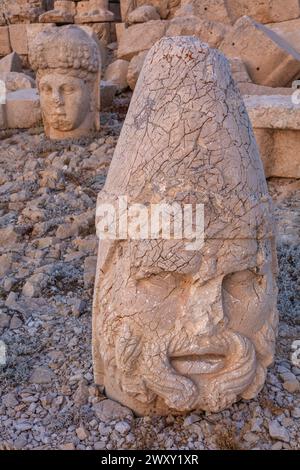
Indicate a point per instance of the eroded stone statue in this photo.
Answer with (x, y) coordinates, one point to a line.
(176, 330)
(68, 65)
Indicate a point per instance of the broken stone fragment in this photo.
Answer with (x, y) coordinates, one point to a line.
(264, 11)
(93, 11)
(116, 73)
(11, 63)
(64, 12)
(212, 10)
(140, 37)
(134, 68)
(276, 123)
(143, 14)
(208, 31)
(16, 81)
(275, 65)
(23, 109)
(5, 46)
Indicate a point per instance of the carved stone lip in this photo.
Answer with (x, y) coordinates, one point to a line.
(205, 359)
(192, 364)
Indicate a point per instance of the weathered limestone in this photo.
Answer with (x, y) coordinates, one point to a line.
(93, 11)
(275, 65)
(264, 11)
(64, 12)
(5, 47)
(212, 10)
(165, 8)
(174, 328)
(11, 63)
(276, 122)
(18, 38)
(143, 14)
(16, 81)
(289, 31)
(140, 37)
(134, 69)
(210, 32)
(68, 65)
(23, 11)
(23, 109)
(116, 73)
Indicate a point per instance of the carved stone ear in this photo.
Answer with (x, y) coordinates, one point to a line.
(128, 349)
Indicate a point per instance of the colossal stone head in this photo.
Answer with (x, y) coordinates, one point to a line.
(68, 65)
(177, 329)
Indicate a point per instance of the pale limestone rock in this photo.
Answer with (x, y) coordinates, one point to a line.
(275, 64)
(109, 410)
(68, 67)
(41, 375)
(16, 81)
(23, 109)
(64, 12)
(143, 14)
(273, 112)
(178, 329)
(116, 73)
(278, 432)
(140, 37)
(276, 123)
(93, 11)
(239, 71)
(289, 31)
(208, 31)
(5, 47)
(23, 11)
(18, 38)
(134, 69)
(212, 10)
(165, 8)
(264, 11)
(11, 63)
(253, 89)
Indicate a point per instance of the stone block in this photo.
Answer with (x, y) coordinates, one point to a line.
(276, 124)
(11, 63)
(135, 68)
(16, 81)
(63, 12)
(5, 47)
(23, 109)
(93, 11)
(213, 10)
(116, 73)
(264, 11)
(18, 38)
(289, 31)
(140, 37)
(143, 14)
(270, 60)
(208, 31)
(24, 11)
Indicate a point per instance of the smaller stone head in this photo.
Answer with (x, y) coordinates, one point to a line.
(68, 64)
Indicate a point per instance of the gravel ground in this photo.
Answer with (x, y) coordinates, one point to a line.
(47, 262)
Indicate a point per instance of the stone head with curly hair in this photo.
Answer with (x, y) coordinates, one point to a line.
(67, 61)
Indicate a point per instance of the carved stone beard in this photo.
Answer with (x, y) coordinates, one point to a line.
(193, 349)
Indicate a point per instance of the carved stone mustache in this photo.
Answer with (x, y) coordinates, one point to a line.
(184, 378)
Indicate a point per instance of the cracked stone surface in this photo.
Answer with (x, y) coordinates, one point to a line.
(48, 187)
(174, 329)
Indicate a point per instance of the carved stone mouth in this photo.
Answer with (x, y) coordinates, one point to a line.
(192, 364)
